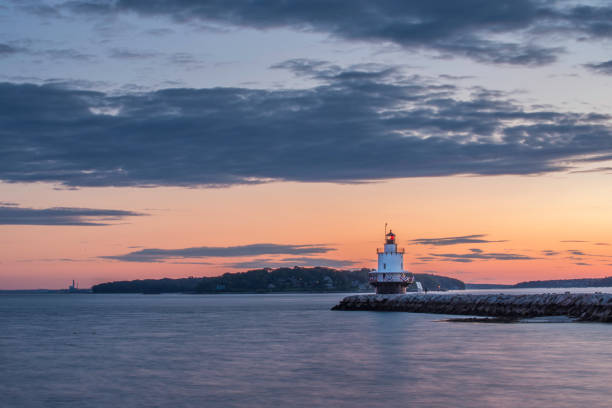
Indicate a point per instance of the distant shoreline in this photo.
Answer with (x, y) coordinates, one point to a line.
(43, 291)
(361, 286)
(267, 280)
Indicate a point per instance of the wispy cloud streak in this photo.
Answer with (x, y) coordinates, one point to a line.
(465, 239)
(481, 255)
(12, 214)
(161, 255)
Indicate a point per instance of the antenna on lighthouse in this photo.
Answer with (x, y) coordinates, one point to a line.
(385, 229)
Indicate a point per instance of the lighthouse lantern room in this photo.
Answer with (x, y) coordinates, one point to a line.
(390, 276)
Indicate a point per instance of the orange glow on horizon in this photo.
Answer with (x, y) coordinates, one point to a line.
(529, 214)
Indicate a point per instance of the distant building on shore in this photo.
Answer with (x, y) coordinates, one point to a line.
(390, 276)
(74, 288)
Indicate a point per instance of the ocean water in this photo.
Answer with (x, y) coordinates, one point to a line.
(286, 350)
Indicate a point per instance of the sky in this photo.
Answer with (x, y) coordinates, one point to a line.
(151, 138)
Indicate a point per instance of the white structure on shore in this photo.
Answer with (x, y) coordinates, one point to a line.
(390, 276)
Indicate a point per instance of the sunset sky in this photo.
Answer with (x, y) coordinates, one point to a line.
(151, 138)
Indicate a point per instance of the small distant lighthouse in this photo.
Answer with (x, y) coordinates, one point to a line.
(390, 277)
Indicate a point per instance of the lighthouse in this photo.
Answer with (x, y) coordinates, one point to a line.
(390, 276)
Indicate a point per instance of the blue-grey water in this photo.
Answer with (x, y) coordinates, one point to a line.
(288, 350)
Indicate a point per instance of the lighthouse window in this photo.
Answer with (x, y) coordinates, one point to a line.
(384, 266)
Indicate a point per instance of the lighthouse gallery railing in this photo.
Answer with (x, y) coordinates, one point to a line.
(382, 251)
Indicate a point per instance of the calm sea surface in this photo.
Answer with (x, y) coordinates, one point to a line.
(286, 351)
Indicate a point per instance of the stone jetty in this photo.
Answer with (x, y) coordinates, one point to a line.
(595, 307)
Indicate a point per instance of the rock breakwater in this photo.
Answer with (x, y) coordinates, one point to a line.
(595, 307)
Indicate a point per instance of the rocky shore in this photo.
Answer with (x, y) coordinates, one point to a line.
(595, 307)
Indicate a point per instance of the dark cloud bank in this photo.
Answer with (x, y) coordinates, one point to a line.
(11, 214)
(470, 28)
(361, 123)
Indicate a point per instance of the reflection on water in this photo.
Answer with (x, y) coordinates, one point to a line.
(286, 350)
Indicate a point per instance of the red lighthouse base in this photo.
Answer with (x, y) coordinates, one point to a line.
(390, 288)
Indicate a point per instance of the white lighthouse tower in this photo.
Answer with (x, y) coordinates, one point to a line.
(390, 276)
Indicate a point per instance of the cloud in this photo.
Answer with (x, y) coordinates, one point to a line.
(426, 258)
(65, 54)
(6, 50)
(595, 170)
(479, 255)
(290, 262)
(549, 252)
(394, 127)
(11, 214)
(596, 158)
(309, 261)
(41, 10)
(465, 239)
(506, 32)
(53, 54)
(124, 53)
(582, 253)
(159, 32)
(56, 260)
(187, 60)
(161, 255)
(601, 68)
